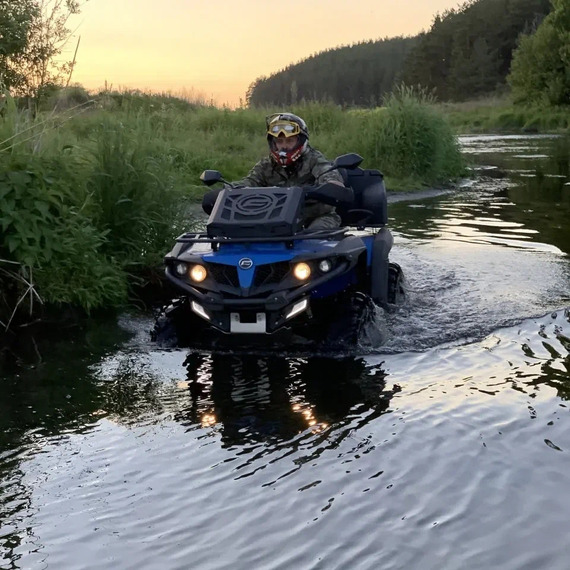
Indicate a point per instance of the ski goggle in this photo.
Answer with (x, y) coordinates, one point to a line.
(285, 128)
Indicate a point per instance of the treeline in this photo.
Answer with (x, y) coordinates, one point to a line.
(360, 74)
(540, 72)
(466, 53)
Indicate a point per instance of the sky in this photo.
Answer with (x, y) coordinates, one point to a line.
(215, 49)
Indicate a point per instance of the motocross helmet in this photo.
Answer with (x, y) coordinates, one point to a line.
(286, 125)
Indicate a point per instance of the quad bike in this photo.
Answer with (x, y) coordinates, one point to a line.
(257, 277)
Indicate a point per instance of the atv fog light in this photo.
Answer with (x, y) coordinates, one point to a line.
(181, 268)
(198, 273)
(199, 310)
(302, 271)
(297, 308)
(325, 266)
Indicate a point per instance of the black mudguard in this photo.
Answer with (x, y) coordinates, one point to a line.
(380, 266)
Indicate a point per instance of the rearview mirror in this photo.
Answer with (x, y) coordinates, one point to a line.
(331, 193)
(210, 177)
(348, 161)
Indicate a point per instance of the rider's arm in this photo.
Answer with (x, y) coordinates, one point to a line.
(256, 176)
(322, 165)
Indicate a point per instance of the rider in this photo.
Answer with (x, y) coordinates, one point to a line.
(292, 162)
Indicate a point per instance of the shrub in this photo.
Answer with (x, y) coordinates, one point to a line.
(409, 139)
(48, 246)
(66, 98)
(131, 198)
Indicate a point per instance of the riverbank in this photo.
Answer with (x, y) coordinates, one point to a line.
(500, 115)
(95, 191)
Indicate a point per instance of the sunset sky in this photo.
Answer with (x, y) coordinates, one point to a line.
(216, 48)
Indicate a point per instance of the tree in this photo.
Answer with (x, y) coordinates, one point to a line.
(429, 63)
(474, 72)
(38, 34)
(468, 51)
(16, 19)
(540, 70)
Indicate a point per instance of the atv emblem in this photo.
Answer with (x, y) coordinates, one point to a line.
(245, 263)
(251, 205)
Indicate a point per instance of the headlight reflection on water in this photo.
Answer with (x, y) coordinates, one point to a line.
(208, 420)
(309, 417)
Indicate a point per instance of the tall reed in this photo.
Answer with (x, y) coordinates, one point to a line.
(412, 141)
(49, 250)
(132, 198)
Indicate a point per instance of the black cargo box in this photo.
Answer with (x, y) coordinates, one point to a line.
(256, 213)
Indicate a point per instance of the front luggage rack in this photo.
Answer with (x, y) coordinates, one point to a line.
(305, 235)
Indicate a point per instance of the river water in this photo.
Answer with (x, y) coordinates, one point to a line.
(446, 447)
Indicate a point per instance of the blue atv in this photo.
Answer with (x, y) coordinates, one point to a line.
(257, 277)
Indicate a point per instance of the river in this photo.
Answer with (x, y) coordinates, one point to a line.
(446, 447)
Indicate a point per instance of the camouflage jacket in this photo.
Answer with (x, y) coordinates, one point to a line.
(305, 171)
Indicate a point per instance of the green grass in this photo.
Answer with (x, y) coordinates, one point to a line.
(499, 114)
(95, 189)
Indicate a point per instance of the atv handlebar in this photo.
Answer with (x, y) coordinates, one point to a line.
(330, 193)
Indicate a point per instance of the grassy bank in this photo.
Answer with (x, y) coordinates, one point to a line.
(500, 115)
(93, 195)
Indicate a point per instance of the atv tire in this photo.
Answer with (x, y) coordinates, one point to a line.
(354, 312)
(165, 330)
(396, 292)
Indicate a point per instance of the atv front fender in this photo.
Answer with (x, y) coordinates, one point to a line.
(380, 266)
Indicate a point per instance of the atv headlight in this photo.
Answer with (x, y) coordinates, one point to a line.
(181, 269)
(325, 265)
(302, 271)
(198, 273)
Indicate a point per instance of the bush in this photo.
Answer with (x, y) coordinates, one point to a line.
(48, 245)
(539, 69)
(409, 139)
(65, 98)
(132, 200)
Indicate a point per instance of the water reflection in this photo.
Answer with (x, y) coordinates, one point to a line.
(280, 403)
(544, 205)
(537, 195)
(547, 355)
(47, 394)
(244, 398)
(520, 197)
(254, 399)
(280, 456)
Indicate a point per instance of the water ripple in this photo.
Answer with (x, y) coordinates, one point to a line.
(449, 445)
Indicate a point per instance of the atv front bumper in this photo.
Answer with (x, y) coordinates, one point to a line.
(250, 321)
(242, 315)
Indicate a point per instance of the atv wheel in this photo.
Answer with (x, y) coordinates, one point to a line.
(354, 311)
(165, 330)
(396, 291)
